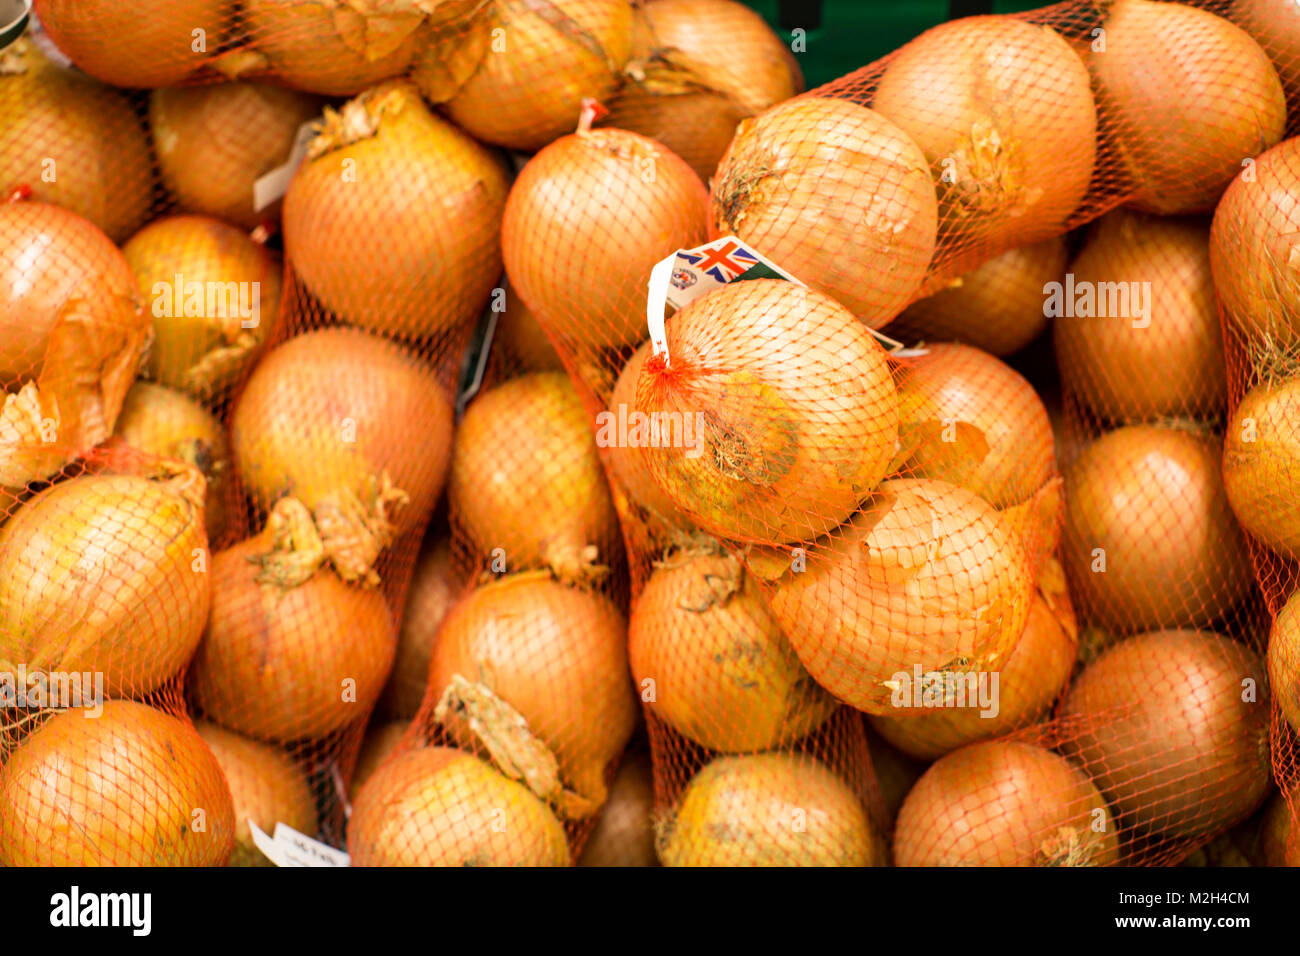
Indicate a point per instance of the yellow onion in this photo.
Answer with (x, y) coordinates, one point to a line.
(526, 479)
(1277, 848)
(105, 573)
(1284, 661)
(973, 421)
(444, 807)
(1261, 464)
(380, 742)
(997, 306)
(215, 141)
(1192, 96)
(1161, 354)
(835, 194)
(1275, 26)
(518, 75)
(1003, 110)
(431, 594)
(711, 660)
(374, 244)
(521, 338)
(567, 206)
(75, 142)
(768, 810)
(792, 410)
(132, 787)
(624, 833)
(1005, 803)
(1149, 538)
(266, 787)
(927, 575)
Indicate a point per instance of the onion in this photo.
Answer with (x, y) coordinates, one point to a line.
(375, 249)
(624, 833)
(1163, 725)
(975, 422)
(1278, 848)
(211, 322)
(1284, 660)
(266, 787)
(723, 674)
(100, 574)
(895, 772)
(119, 790)
(1149, 539)
(565, 208)
(1004, 803)
(1161, 358)
(522, 340)
(351, 425)
(1261, 464)
(147, 43)
(214, 142)
(432, 591)
(74, 142)
(163, 422)
(526, 479)
(443, 807)
(768, 810)
(791, 407)
(835, 194)
(1275, 26)
(380, 743)
(283, 660)
(1192, 96)
(1003, 110)
(528, 649)
(997, 306)
(927, 575)
(517, 77)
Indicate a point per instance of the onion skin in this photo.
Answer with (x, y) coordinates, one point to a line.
(437, 806)
(926, 574)
(1284, 660)
(1004, 803)
(214, 142)
(1163, 74)
(738, 811)
(825, 187)
(624, 833)
(265, 784)
(1153, 500)
(565, 193)
(1163, 730)
(1261, 465)
(1167, 363)
(410, 276)
(89, 131)
(431, 594)
(380, 743)
(792, 405)
(724, 674)
(120, 790)
(99, 574)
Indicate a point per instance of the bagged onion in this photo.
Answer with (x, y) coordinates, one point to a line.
(1261, 464)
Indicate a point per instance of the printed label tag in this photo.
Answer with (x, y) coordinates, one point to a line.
(288, 847)
(275, 184)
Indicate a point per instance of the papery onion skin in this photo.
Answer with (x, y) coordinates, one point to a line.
(1284, 661)
(430, 595)
(1261, 464)
(624, 832)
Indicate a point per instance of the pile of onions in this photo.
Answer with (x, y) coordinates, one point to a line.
(266, 787)
(574, 199)
(380, 742)
(624, 833)
(1164, 725)
(352, 426)
(835, 194)
(147, 43)
(526, 479)
(1162, 356)
(1003, 111)
(163, 422)
(688, 91)
(792, 411)
(375, 248)
(927, 574)
(723, 674)
(443, 807)
(997, 306)
(431, 594)
(1149, 538)
(1261, 464)
(211, 328)
(215, 141)
(521, 338)
(518, 76)
(1192, 96)
(1284, 660)
(97, 574)
(973, 421)
(282, 660)
(528, 649)
(1005, 803)
(1275, 26)
(118, 790)
(74, 142)
(738, 811)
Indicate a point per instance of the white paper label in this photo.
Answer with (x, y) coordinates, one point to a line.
(288, 847)
(275, 184)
